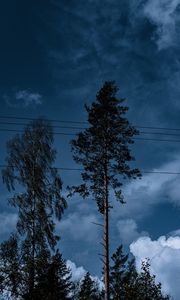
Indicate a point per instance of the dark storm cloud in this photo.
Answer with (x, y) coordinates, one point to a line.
(118, 40)
(72, 47)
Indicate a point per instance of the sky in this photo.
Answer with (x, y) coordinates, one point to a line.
(54, 57)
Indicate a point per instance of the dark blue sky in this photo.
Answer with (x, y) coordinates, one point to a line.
(54, 56)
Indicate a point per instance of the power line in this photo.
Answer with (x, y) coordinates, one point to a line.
(51, 120)
(83, 122)
(79, 128)
(155, 140)
(157, 128)
(21, 131)
(79, 169)
(160, 133)
(74, 134)
(54, 126)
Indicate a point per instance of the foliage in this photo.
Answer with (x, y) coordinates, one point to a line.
(54, 281)
(127, 284)
(103, 150)
(89, 289)
(146, 285)
(38, 198)
(119, 276)
(10, 270)
(105, 145)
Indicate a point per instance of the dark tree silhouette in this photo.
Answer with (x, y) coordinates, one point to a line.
(118, 274)
(127, 284)
(38, 198)
(89, 289)
(54, 282)
(146, 285)
(103, 150)
(10, 270)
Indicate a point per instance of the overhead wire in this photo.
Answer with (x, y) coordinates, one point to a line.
(73, 133)
(84, 122)
(51, 120)
(80, 169)
(79, 128)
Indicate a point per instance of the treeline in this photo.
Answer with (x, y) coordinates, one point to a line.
(31, 266)
(125, 282)
(53, 279)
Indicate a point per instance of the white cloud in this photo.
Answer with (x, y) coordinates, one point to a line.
(163, 14)
(29, 98)
(77, 272)
(141, 196)
(128, 231)
(80, 227)
(164, 254)
(23, 98)
(7, 222)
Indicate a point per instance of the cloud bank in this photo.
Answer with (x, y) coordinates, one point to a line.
(128, 231)
(143, 195)
(164, 254)
(80, 227)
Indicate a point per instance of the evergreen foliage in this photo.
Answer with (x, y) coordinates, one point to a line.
(54, 281)
(89, 289)
(104, 146)
(127, 284)
(146, 287)
(119, 276)
(103, 150)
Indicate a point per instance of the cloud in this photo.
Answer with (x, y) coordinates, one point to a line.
(143, 195)
(80, 227)
(23, 98)
(163, 13)
(164, 254)
(128, 231)
(29, 98)
(77, 272)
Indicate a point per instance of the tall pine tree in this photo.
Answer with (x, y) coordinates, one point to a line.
(103, 150)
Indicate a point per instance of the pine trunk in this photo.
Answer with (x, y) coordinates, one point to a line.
(106, 238)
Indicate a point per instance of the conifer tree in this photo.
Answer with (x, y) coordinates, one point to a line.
(127, 284)
(146, 286)
(54, 282)
(103, 150)
(89, 289)
(118, 274)
(36, 188)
